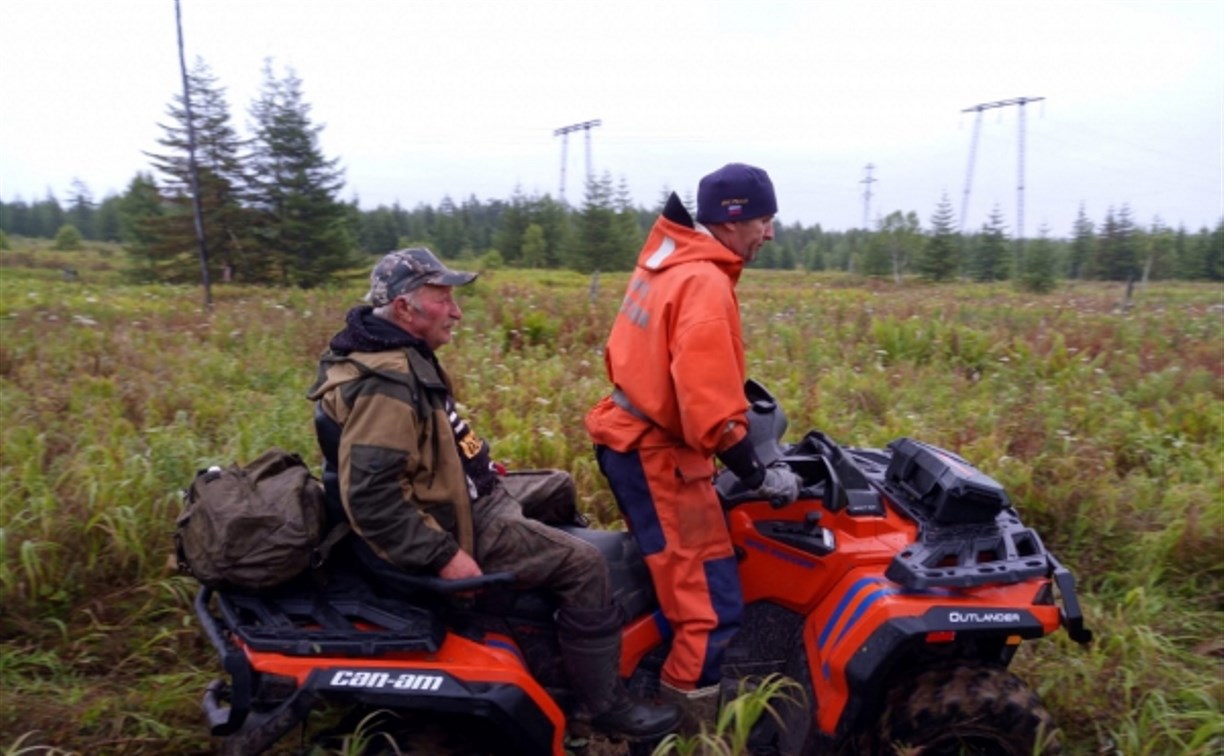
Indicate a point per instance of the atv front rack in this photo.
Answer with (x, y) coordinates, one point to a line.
(964, 556)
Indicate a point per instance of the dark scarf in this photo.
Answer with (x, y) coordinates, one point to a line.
(366, 332)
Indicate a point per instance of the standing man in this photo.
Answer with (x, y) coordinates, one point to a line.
(421, 493)
(676, 360)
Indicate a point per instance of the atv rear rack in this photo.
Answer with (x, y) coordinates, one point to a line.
(317, 625)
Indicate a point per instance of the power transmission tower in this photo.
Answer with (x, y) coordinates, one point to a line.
(564, 133)
(867, 195)
(1021, 102)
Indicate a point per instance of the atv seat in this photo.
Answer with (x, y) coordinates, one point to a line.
(631, 584)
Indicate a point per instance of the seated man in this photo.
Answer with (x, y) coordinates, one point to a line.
(419, 488)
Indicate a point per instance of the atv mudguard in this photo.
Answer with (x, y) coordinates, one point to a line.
(286, 651)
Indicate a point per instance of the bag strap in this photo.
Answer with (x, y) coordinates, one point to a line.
(323, 550)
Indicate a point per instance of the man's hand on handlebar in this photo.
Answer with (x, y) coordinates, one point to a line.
(780, 486)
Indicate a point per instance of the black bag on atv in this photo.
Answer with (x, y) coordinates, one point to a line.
(254, 526)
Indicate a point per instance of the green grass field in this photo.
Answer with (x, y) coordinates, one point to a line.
(1105, 422)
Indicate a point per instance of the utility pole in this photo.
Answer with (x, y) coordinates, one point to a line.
(564, 133)
(867, 195)
(1021, 102)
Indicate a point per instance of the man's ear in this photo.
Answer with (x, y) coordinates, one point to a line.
(402, 310)
(721, 231)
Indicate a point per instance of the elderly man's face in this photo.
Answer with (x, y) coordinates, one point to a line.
(745, 238)
(432, 317)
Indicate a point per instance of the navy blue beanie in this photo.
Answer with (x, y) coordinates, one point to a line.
(735, 192)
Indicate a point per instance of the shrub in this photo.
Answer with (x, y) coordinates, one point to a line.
(492, 260)
(68, 238)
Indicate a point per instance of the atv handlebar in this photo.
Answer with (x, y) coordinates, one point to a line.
(732, 491)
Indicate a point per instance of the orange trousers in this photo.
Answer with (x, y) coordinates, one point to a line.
(667, 498)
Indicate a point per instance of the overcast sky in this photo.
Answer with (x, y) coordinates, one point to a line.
(420, 100)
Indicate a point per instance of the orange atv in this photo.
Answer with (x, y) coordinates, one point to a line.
(895, 592)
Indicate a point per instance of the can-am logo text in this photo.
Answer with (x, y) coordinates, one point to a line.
(1009, 617)
(350, 678)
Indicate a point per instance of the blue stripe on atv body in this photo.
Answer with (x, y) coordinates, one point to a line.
(506, 646)
(849, 598)
(855, 590)
(858, 613)
(885, 589)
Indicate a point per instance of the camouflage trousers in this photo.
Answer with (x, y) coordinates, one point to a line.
(512, 535)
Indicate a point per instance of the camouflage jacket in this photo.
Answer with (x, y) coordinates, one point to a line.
(401, 476)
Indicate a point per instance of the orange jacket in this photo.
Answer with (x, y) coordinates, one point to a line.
(676, 350)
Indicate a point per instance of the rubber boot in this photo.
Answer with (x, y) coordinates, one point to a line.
(590, 649)
(698, 707)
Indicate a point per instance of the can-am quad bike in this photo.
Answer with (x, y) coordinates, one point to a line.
(895, 592)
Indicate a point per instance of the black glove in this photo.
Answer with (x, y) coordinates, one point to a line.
(780, 485)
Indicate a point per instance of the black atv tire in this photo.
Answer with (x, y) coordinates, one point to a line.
(971, 708)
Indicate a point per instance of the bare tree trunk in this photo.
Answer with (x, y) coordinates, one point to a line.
(191, 161)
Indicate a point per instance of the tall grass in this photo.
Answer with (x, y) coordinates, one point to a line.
(1105, 423)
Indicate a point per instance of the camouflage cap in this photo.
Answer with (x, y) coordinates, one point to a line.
(403, 270)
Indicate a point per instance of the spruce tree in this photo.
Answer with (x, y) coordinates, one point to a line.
(8, 216)
(939, 257)
(510, 231)
(1213, 257)
(598, 243)
(1036, 272)
(81, 209)
(1083, 242)
(1116, 254)
(47, 217)
(630, 234)
(479, 224)
(1157, 252)
(812, 256)
(990, 259)
(302, 226)
(534, 247)
(553, 217)
(1130, 240)
(106, 219)
(379, 233)
(140, 209)
(169, 240)
(447, 234)
(874, 260)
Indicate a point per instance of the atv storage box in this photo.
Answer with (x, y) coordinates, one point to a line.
(954, 491)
